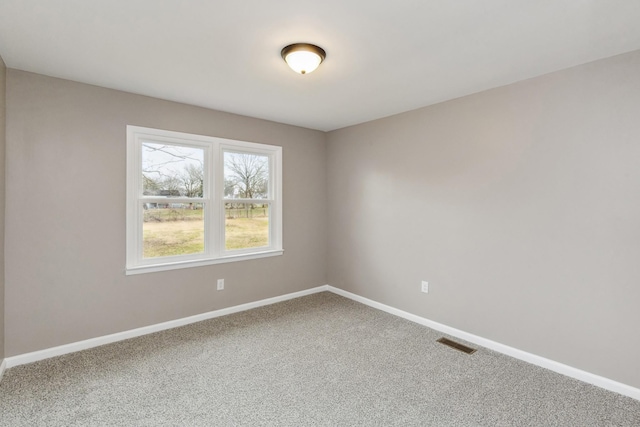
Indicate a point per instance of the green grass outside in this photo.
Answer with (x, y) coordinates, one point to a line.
(243, 233)
(169, 232)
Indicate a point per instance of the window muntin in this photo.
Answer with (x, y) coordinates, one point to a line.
(196, 200)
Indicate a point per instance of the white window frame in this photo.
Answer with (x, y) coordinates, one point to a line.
(213, 199)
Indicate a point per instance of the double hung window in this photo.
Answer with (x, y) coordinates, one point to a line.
(195, 200)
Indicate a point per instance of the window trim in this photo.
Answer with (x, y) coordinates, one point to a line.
(213, 198)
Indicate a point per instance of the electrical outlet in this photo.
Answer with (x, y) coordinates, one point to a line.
(425, 287)
(220, 284)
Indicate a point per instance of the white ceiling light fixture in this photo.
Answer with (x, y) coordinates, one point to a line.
(303, 58)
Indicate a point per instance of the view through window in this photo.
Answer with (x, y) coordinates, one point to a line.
(194, 200)
(173, 184)
(246, 193)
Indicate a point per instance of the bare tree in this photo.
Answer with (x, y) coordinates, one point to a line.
(246, 175)
(172, 170)
(171, 186)
(193, 180)
(150, 186)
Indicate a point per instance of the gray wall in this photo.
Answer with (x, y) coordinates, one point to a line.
(65, 222)
(3, 79)
(520, 206)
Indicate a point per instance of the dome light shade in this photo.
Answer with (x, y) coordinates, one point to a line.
(303, 58)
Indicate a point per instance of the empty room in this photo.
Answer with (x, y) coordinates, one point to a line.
(338, 213)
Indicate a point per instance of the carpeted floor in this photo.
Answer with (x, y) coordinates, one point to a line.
(317, 360)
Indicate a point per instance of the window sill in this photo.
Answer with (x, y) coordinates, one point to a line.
(152, 268)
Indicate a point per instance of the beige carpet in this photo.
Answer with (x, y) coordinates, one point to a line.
(317, 360)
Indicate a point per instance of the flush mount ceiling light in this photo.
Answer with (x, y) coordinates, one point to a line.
(303, 58)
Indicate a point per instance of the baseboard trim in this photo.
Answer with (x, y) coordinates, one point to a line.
(543, 362)
(35, 356)
(560, 368)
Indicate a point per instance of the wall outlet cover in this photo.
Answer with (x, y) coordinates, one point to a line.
(425, 287)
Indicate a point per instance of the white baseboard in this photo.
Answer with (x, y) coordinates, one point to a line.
(560, 368)
(108, 339)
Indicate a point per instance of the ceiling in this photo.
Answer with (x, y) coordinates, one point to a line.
(383, 57)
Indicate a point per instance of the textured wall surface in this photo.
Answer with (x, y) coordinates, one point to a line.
(520, 205)
(3, 78)
(65, 220)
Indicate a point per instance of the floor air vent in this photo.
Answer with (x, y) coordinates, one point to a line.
(456, 345)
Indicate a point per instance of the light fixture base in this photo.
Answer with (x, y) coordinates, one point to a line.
(303, 58)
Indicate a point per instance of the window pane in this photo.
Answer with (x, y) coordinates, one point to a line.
(246, 225)
(170, 229)
(172, 170)
(246, 176)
